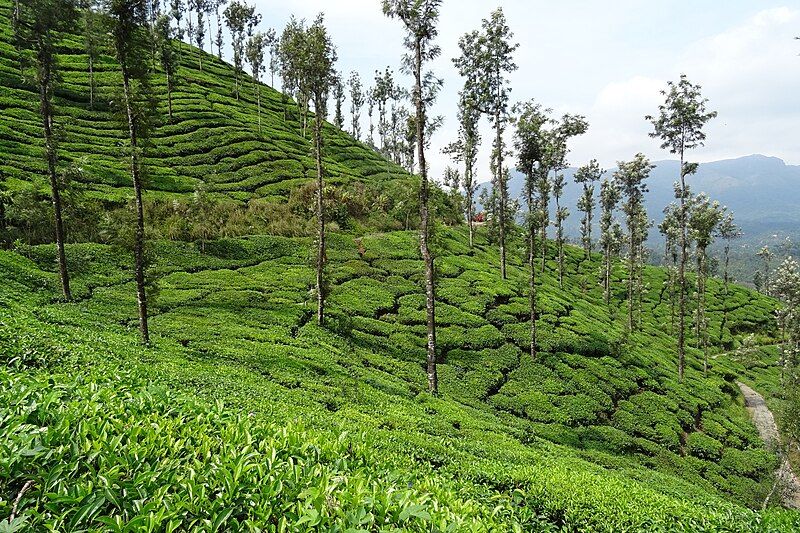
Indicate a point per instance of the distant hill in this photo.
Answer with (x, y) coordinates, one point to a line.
(763, 193)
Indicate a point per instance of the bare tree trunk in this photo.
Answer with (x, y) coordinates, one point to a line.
(501, 183)
(682, 278)
(470, 205)
(726, 281)
(631, 266)
(210, 37)
(701, 307)
(138, 246)
(532, 279)
(559, 243)
(607, 273)
(46, 109)
(321, 255)
(424, 232)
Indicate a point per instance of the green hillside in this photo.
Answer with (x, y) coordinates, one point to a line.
(594, 435)
(244, 415)
(213, 140)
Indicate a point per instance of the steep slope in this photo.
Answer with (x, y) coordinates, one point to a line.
(596, 434)
(213, 140)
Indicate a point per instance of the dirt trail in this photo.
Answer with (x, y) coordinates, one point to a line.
(765, 423)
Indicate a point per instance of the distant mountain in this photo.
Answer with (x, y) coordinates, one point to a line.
(763, 193)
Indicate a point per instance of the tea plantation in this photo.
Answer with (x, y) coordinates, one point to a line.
(213, 139)
(244, 415)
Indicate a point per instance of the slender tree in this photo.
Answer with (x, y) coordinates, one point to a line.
(190, 5)
(166, 53)
(728, 231)
(569, 126)
(587, 176)
(200, 30)
(254, 51)
(531, 144)
(38, 23)
(130, 43)
(679, 125)
(670, 229)
(630, 178)
(609, 230)
(177, 9)
(220, 39)
(486, 59)
(470, 140)
(320, 78)
(786, 287)
(294, 64)
(704, 219)
(338, 98)
(356, 103)
(370, 112)
(544, 187)
(561, 215)
(272, 43)
(766, 256)
(92, 42)
(239, 18)
(420, 19)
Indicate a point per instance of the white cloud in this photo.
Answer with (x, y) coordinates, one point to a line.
(751, 75)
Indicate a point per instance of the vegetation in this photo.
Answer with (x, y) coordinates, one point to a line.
(207, 218)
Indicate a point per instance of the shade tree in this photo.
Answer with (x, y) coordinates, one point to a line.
(679, 126)
(420, 20)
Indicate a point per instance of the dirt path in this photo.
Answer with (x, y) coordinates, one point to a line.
(765, 423)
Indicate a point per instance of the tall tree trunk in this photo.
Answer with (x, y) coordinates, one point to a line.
(501, 183)
(631, 274)
(607, 273)
(321, 255)
(701, 306)
(470, 206)
(559, 243)
(532, 266)
(138, 245)
(682, 277)
(545, 221)
(210, 37)
(726, 281)
(424, 232)
(588, 232)
(46, 109)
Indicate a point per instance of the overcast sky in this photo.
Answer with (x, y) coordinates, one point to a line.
(606, 60)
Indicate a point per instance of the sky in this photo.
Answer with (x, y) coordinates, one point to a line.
(606, 60)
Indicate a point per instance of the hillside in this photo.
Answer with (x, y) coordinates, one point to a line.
(597, 434)
(245, 415)
(213, 140)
